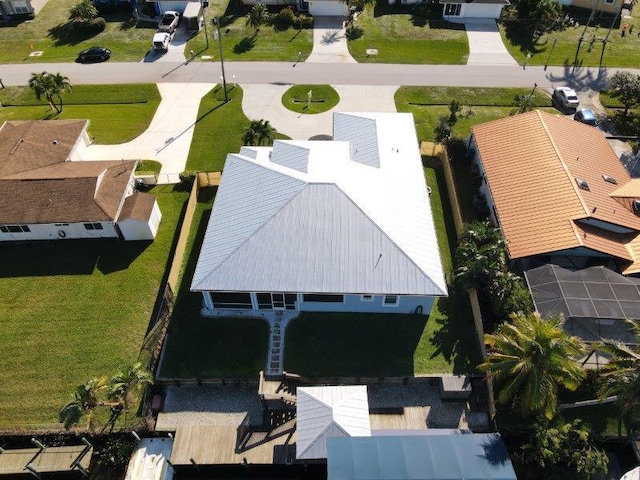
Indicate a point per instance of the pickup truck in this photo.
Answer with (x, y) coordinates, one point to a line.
(161, 41)
(169, 22)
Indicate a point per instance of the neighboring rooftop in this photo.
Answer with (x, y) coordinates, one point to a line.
(344, 216)
(555, 182)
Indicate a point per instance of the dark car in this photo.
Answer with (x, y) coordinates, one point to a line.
(94, 54)
(586, 116)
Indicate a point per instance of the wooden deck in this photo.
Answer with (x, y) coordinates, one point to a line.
(219, 445)
(413, 418)
(50, 460)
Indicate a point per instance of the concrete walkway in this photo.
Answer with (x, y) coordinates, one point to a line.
(485, 43)
(329, 41)
(168, 138)
(265, 102)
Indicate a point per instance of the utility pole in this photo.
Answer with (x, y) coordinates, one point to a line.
(224, 78)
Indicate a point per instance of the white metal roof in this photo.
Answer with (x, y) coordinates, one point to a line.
(348, 216)
(329, 412)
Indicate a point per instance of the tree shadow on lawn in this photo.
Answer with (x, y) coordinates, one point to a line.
(69, 257)
(523, 38)
(246, 44)
(65, 34)
(439, 24)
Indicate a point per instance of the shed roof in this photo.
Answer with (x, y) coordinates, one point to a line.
(328, 412)
(479, 456)
(534, 163)
(322, 217)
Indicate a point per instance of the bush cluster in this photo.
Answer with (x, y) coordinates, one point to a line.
(286, 18)
(95, 25)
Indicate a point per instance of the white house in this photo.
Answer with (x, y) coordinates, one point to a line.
(342, 225)
(47, 193)
(457, 11)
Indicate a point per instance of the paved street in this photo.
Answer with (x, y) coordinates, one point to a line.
(315, 73)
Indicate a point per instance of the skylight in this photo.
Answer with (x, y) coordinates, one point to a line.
(582, 184)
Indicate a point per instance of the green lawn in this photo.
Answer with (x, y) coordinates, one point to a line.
(73, 310)
(400, 36)
(106, 106)
(479, 105)
(323, 98)
(619, 51)
(243, 43)
(51, 33)
(209, 347)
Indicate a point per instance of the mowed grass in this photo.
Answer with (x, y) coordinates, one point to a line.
(198, 347)
(51, 33)
(242, 43)
(323, 98)
(619, 51)
(74, 310)
(401, 37)
(479, 105)
(117, 113)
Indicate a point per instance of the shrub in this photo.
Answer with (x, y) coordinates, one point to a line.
(284, 19)
(188, 176)
(305, 21)
(96, 25)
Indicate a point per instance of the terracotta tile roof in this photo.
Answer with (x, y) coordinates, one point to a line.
(629, 189)
(26, 145)
(38, 185)
(532, 163)
(138, 207)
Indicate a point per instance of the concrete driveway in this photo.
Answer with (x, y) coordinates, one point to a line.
(168, 138)
(329, 41)
(485, 43)
(265, 102)
(175, 52)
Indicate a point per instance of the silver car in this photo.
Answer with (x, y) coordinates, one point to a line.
(566, 97)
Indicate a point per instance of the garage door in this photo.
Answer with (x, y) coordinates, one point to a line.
(328, 8)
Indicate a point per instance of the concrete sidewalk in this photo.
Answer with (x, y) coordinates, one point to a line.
(329, 41)
(168, 138)
(265, 102)
(485, 43)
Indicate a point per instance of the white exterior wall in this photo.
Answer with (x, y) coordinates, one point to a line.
(139, 230)
(474, 10)
(175, 6)
(83, 142)
(354, 303)
(51, 231)
(328, 8)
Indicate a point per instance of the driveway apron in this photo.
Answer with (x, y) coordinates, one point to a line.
(329, 41)
(485, 43)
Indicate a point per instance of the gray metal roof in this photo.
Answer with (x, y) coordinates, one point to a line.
(479, 456)
(318, 242)
(292, 156)
(362, 134)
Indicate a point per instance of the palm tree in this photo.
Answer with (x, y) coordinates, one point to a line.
(259, 132)
(621, 376)
(85, 401)
(523, 103)
(530, 357)
(83, 12)
(49, 86)
(129, 381)
(258, 16)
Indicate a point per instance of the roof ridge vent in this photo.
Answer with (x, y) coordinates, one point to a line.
(610, 179)
(582, 184)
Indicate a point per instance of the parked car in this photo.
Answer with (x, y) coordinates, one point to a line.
(161, 41)
(586, 116)
(169, 22)
(566, 97)
(94, 54)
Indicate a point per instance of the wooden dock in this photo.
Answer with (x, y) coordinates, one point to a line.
(49, 460)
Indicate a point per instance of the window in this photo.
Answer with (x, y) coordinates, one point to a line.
(93, 226)
(582, 184)
(308, 297)
(452, 9)
(367, 298)
(610, 2)
(21, 6)
(391, 300)
(14, 228)
(231, 300)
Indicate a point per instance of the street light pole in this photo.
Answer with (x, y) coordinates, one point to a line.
(224, 79)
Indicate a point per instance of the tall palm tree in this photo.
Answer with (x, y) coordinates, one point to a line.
(621, 376)
(258, 16)
(529, 358)
(128, 382)
(259, 132)
(49, 86)
(85, 401)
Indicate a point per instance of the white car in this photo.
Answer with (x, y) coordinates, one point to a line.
(566, 97)
(169, 22)
(161, 41)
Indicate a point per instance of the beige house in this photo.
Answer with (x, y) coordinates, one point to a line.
(555, 187)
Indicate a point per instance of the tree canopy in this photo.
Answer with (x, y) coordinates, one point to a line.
(50, 86)
(626, 88)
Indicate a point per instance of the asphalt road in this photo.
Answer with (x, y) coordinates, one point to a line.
(315, 73)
